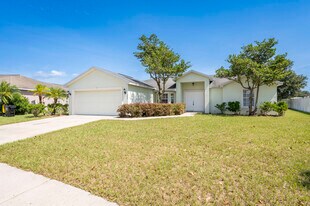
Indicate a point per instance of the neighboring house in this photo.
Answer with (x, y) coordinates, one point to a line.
(98, 91)
(26, 85)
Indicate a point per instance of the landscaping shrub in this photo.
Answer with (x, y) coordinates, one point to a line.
(280, 108)
(57, 109)
(221, 107)
(150, 109)
(37, 109)
(266, 107)
(21, 103)
(234, 107)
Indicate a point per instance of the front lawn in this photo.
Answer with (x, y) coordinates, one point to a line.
(205, 159)
(17, 118)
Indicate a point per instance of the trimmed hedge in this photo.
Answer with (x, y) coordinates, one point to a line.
(150, 109)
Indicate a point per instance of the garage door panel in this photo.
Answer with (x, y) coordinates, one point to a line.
(97, 102)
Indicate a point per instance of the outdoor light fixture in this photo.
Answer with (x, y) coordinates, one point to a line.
(124, 91)
(193, 83)
(68, 93)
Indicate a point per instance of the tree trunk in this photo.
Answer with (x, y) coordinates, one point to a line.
(256, 100)
(251, 102)
(54, 107)
(40, 99)
(159, 91)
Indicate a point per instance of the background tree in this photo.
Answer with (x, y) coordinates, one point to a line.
(56, 94)
(6, 92)
(256, 65)
(40, 90)
(160, 61)
(292, 85)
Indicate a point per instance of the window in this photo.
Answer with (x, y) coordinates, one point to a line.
(246, 98)
(171, 98)
(164, 98)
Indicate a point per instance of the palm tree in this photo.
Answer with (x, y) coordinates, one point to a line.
(56, 94)
(41, 90)
(6, 92)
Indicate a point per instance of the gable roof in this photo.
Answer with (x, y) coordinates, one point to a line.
(170, 84)
(123, 77)
(195, 72)
(25, 83)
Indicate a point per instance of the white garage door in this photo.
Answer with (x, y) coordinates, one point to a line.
(97, 102)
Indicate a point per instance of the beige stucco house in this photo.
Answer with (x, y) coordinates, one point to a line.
(26, 85)
(100, 92)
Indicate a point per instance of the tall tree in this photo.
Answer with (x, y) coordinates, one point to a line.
(256, 65)
(6, 92)
(292, 85)
(40, 90)
(56, 94)
(160, 61)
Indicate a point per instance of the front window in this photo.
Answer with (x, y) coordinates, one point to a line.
(172, 98)
(246, 98)
(164, 98)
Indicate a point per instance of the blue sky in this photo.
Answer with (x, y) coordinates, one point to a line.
(56, 40)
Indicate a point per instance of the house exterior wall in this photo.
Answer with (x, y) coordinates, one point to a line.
(34, 99)
(216, 97)
(97, 80)
(234, 92)
(140, 95)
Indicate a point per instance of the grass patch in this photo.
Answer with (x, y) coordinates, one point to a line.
(205, 159)
(18, 118)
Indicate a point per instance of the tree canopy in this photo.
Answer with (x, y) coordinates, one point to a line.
(292, 85)
(160, 61)
(256, 65)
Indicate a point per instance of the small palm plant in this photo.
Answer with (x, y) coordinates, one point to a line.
(6, 92)
(56, 94)
(40, 90)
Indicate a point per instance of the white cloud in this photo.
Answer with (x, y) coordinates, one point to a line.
(75, 74)
(52, 73)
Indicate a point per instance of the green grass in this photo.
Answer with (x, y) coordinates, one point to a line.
(18, 118)
(205, 159)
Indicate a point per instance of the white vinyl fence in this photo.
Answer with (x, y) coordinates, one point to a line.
(299, 103)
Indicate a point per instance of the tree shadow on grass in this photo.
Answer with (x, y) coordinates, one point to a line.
(304, 179)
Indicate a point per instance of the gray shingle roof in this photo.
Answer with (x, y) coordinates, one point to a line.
(170, 84)
(25, 83)
(140, 83)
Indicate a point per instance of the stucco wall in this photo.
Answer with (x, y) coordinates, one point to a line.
(139, 94)
(34, 99)
(216, 97)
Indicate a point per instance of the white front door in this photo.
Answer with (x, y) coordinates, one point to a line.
(194, 100)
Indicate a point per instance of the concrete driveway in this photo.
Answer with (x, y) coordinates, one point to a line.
(23, 130)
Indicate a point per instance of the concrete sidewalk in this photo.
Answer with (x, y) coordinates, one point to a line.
(18, 187)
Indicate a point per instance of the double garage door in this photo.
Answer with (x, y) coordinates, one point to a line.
(97, 102)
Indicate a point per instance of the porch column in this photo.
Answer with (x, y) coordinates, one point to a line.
(178, 92)
(207, 96)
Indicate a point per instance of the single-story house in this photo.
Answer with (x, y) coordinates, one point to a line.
(101, 92)
(26, 85)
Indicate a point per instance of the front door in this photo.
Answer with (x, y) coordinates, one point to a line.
(194, 100)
